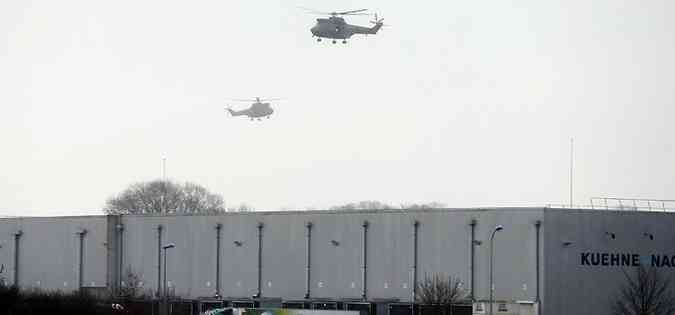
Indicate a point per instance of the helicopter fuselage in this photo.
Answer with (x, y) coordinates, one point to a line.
(257, 110)
(337, 28)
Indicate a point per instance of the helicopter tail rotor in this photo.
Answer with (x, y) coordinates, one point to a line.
(377, 21)
(378, 24)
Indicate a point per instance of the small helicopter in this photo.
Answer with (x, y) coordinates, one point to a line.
(335, 26)
(257, 110)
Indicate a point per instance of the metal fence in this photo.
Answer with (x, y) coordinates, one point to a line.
(622, 204)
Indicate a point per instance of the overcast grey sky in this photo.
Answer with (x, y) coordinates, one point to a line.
(470, 103)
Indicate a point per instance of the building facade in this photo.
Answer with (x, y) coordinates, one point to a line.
(551, 261)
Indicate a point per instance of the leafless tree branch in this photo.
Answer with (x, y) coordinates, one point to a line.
(440, 290)
(165, 197)
(647, 292)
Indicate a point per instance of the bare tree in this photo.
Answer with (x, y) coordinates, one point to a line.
(440, 291)
(363, 205)
(241, 208)
(648, 292)
(378, 205)
(418, 206)
(131, 284)
(160, 196)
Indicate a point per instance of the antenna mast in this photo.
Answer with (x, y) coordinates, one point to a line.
(571, 171)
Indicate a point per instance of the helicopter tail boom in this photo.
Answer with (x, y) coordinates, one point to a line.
(235, 113)
(364, 30)
(374, 29)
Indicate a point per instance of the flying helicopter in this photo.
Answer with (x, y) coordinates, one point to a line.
(260, 108)
(335, 27)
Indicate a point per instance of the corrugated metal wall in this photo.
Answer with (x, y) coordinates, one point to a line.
(49, 249)
(49, 252)
(573, 288)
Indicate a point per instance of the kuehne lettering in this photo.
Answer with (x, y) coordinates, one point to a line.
(614, 259)
(625, 259)
(595, 259)
(636, 260)
(605, 259)
(584, 259)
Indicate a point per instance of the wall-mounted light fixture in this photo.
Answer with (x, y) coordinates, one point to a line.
(567, 243)
(649, 235)
(238, 243)
(611, 235)
(335, 243)
(170, 245)
(477, 242)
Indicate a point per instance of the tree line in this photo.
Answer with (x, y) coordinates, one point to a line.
(169, 197)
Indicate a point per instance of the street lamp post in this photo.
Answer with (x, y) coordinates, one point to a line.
(166, 291)
(492, 289)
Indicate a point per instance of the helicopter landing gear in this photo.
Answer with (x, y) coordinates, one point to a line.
(334, 41)
(318, 39)
(344, 41)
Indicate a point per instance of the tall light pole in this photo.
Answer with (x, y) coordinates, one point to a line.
(166, 291)
(492, 288)
(2, 268)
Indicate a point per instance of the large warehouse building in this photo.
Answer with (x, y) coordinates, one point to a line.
(546, 261)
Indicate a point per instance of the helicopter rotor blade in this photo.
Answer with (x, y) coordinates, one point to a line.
(334, 13)
(351, 12)
(312, 11)
(255, 99)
